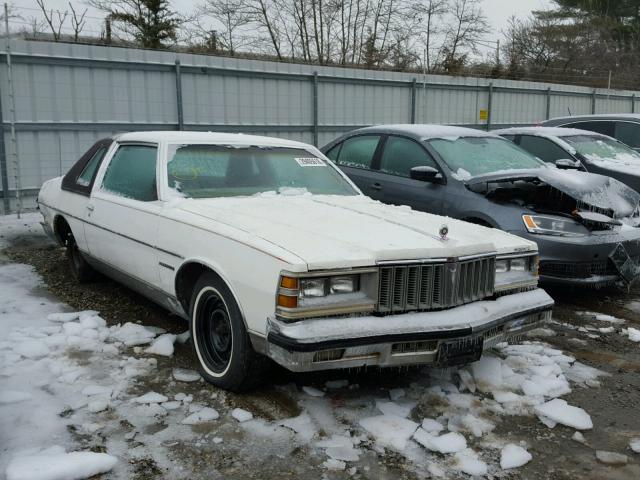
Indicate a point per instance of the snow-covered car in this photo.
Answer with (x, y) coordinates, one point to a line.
(585, 225)
(270, 250)
(580, 149)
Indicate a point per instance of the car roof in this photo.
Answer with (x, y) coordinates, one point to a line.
(207, 137)
(424, 131)
(545, 131)
(601, 116)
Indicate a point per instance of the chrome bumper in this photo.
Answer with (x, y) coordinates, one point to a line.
(440, 338)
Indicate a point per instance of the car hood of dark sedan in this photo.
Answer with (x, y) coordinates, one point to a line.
(599, 191)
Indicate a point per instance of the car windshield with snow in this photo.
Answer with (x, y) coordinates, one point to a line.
(585, 225)
(269, 250)
(579, 149)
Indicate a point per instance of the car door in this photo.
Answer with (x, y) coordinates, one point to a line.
(398, 156)
(122, 214)
(355, 157)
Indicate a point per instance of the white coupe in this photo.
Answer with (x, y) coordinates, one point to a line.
(269, 250)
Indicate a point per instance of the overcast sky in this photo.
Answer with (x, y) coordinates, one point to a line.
(497, 11)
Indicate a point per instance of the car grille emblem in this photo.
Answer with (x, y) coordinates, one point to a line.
(443, 232)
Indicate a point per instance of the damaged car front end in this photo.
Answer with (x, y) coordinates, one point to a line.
(586, 225)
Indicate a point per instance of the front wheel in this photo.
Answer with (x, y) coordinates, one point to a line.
(219, 338)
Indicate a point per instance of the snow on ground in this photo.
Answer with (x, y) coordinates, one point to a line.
(84, 377)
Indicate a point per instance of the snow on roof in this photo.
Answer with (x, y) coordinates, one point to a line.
(206, 137)
(545, 131)
(601, 116)
(428, 131)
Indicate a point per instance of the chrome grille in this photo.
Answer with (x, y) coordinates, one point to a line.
(435, 286)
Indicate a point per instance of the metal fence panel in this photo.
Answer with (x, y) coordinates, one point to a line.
(68, 95)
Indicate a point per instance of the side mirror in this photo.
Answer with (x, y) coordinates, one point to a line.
(425, 174)
(567, 164)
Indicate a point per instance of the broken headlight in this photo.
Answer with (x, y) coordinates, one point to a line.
(516, 271)
(548, 225)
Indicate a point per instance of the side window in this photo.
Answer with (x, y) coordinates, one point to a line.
(511, 138)
(603, 127)
(400, 155)
(132, 173)
(628, 133)
(89, 171)
(543, 148)
(358, 151)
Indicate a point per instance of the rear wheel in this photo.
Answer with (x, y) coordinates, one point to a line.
(82, 271)
(219, 338)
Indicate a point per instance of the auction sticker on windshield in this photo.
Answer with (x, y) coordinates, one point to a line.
(310, 162)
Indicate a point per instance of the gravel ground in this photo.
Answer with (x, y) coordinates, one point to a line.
(613, 407)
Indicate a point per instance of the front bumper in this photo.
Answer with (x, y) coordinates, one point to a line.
(584, 261)
(440, 338)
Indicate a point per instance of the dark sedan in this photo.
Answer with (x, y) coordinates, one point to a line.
(587, 150)
(585, 224)
(621, 126)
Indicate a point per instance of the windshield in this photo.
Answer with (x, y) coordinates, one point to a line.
(472, 156)
(205, 171)
(603, 149)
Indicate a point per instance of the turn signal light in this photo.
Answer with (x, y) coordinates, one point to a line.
(289, 282)
(287, 301)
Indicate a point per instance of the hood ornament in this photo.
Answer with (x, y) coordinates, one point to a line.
(443, 232)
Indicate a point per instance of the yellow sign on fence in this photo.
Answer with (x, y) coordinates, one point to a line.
(484, 114)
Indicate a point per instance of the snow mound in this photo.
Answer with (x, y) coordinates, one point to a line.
(203, 415)
(340, 447)
(634, 444)
(241, 415)
(313, 392)
(302, 425)
(448, 443)
(150, 397)
(163, 345)
(634, 334)
(611, 458)
(559, 411)
(396, 394)
(514, 456)
(389, 430)
(132, 334)
(55, 464)
(185, 375)
(14, 396)
(392, 408)
(432, 426)
(467, 461)
(332, 464)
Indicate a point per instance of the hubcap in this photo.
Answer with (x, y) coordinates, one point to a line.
(213, 329)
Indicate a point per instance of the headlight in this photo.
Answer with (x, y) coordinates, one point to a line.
(547, 225)
(301, 296)
(514, 272)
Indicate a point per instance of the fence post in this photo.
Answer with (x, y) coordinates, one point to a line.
(633, 103)
(413, 101)
(489, 106)
(315, 108)
(179, 96)
(4, 174)
(548, 112)
(593, 102)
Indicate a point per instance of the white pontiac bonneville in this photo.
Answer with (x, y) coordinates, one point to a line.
(269, 250)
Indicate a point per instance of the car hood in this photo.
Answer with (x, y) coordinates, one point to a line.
(595, 192)
(345, 231)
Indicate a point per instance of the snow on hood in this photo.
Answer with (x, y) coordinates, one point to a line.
(349, 231)
(596, 190)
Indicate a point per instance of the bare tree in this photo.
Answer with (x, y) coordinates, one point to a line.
(77, 22)
(468, 25)
(54, 18)
(430, 13)
(231, 15)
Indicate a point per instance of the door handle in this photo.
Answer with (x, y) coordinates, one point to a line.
(90, 207)
(376, 186)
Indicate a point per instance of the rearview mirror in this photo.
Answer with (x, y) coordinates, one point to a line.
(425, 174)
(567, 164)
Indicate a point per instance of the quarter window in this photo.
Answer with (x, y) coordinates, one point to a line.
(543, 148)
(132, 173)
(89, 171)
(358, 151)
(400, 155)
